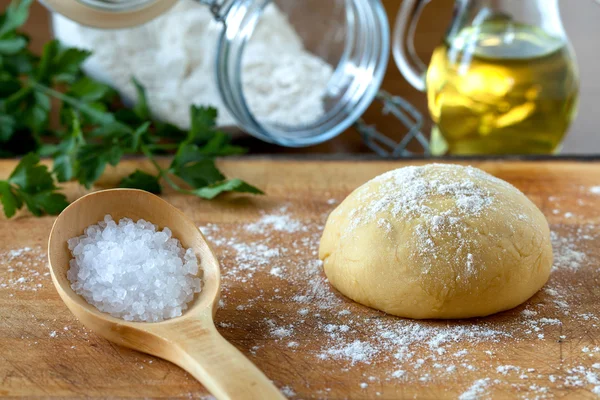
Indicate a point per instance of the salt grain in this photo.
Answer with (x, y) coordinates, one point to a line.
(133, 271)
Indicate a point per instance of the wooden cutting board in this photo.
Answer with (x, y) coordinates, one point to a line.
(279, 310)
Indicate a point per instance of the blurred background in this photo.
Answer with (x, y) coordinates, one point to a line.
(581, 20)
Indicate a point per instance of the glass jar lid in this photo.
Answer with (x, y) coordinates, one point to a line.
(292, 73)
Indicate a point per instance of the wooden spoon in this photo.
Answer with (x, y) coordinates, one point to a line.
(190, 341)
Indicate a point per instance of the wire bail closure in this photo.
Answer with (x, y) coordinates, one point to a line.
(408, 116)
(218, 8)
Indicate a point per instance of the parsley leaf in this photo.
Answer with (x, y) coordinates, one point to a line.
(60, 64)
(18, 64)
(89, 90)
(36, 111)
(93, 159)
(203, 123)
(141, 108)
(220, 145)
(94, 129)
(15, 16)
(66, 164)
(7, 127)
(143, 181)
(12, 45)
(200, 173)
(30, 176)
(9, 85)
(32, 184)
(10, 202)
(231, 185)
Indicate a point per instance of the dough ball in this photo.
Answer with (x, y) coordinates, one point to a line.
(437, 241)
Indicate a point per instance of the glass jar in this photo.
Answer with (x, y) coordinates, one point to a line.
(288, 72)
(505, 79)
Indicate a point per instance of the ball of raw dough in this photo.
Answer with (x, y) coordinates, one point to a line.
(438, 241)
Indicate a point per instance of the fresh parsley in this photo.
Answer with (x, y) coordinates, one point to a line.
(95, 130)
(31, 184)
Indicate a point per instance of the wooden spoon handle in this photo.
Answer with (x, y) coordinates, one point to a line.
(220, 367)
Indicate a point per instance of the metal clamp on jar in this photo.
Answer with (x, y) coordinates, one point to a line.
(346, 42)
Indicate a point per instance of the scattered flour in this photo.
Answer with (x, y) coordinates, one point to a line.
(476, 390)
(566, 252)
(422, 184)
(351, 335)
(505, 369)
(281, 332)
(357, 351)
(274, 222)
(398, 374)
(288, 391)
(25, 270)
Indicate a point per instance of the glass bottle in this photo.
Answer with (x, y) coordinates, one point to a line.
(504, 81)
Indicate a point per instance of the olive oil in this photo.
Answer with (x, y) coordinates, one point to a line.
(501, 88)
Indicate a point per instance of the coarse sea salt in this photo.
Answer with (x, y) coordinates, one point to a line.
(133, 271)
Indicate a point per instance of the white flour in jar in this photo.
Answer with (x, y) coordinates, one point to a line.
(173, 56)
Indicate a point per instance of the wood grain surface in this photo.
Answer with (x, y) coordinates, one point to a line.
(550, 343)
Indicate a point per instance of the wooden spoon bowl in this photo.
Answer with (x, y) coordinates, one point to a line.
(190, 341)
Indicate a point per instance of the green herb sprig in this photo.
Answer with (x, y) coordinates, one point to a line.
(94, 129)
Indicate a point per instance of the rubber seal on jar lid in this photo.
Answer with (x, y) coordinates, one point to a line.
(92, 12)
